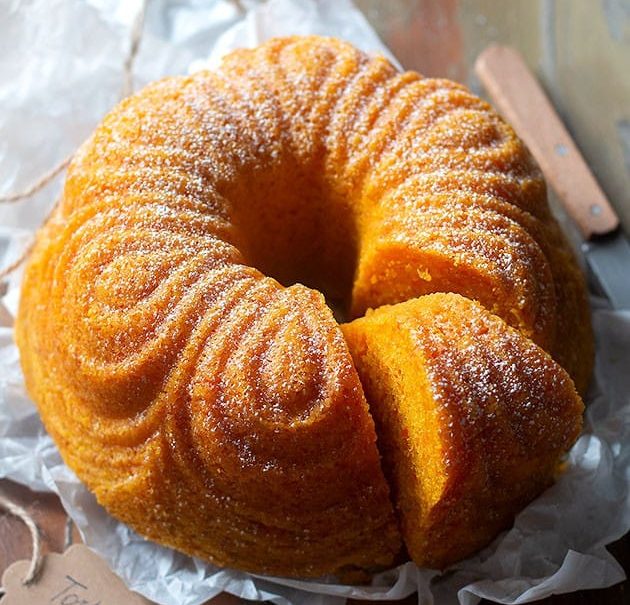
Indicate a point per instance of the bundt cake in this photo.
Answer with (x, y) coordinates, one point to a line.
(213, 402)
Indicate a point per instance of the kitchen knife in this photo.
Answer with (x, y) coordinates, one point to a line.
(520, 98)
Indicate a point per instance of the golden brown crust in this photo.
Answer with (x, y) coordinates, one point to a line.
(203, 402)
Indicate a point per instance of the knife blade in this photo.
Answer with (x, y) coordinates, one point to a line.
(520, 98)
(609, 259)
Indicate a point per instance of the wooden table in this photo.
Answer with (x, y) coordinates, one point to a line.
(46, 510)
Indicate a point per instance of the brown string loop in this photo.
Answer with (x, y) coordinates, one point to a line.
(36, 546)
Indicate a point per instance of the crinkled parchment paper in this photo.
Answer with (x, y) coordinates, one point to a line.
(60, 71)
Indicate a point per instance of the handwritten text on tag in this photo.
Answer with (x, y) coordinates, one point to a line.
(76, 577)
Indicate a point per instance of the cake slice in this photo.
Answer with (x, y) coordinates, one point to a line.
(472, 419)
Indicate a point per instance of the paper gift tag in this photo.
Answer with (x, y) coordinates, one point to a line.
(76, 577)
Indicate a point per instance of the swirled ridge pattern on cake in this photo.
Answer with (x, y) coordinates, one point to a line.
(202, 393)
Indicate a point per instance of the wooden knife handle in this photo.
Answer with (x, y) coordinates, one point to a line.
(520, 98)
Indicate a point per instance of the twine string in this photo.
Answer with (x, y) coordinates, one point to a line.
(37, 185)
(47, 177)
(137, 28)
(36, 546)
(11, 267)
(6, 271)
(239, 7)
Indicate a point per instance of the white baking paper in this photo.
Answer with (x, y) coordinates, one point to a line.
(60, 71)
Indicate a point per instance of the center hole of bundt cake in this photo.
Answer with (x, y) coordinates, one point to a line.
(300, 230)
